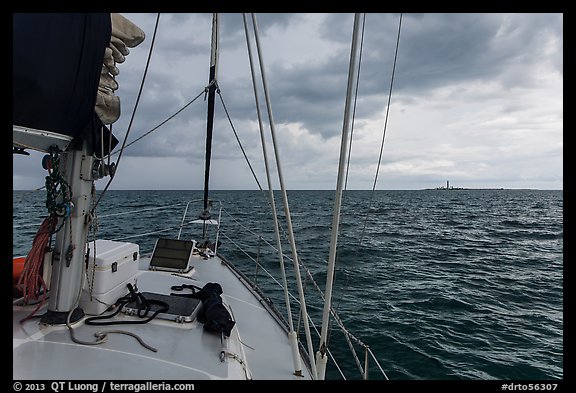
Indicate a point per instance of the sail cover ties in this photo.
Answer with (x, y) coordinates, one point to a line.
(125, 34)
(63, 72)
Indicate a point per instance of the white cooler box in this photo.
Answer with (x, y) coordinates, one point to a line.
(116, 266)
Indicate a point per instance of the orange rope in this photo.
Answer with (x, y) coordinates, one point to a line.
(31, 281)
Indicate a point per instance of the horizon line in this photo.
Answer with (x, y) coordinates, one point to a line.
(326, 189)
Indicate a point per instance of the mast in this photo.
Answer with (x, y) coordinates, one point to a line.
(60, 106)
(321, 357)
(69, 248)
(69, 119)
(212, 85)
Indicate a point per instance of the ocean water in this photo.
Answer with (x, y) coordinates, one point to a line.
(457, 285)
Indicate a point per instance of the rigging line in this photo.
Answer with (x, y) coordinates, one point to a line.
(253, 260)
(147, 234)
(162, 123)
(384, 131)
(355, 100)
(377, 363)
(271, 201)
(285, 200)
(28, 193)
(344, 331)
(308, 273)
(307, 270)
(25, 225)
(256, 234)
(141, 210)
(238, 140)
(109, 146)
(272, 209)
(347, 334)
(349, 154)
(133, 112)
(333, 312)
(346, 124)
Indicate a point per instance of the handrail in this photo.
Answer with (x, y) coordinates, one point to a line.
(183, 218)
(144, 234)
(138, 211)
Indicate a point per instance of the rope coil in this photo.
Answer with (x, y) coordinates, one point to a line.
(31, 283)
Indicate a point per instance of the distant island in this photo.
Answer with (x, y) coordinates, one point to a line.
(448, 187)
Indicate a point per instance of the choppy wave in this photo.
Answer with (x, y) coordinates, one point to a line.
(440, 285)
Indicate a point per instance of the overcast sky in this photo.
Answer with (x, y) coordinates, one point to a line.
(477, 100)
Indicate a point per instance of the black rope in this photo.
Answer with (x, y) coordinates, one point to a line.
(384, 131)
(144, 307)
(133, 112)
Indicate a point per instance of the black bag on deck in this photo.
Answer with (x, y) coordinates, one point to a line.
(213, 314)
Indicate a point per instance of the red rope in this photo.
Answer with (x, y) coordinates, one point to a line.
(31, 281)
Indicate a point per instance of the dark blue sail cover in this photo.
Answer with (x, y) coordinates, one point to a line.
(57, 61)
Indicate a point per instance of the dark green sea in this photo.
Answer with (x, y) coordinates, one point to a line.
(463, 285)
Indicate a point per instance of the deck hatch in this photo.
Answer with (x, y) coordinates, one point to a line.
(172, 255)
(180, 309)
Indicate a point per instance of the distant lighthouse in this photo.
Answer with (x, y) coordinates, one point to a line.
(447, 185)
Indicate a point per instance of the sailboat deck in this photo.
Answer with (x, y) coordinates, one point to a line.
(257, 348)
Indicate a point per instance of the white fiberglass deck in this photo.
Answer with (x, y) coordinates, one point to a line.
(257, 348)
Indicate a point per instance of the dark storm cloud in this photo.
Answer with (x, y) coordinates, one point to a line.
(163, 94)
(436, 51)
(442, 49)
(470, 90)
